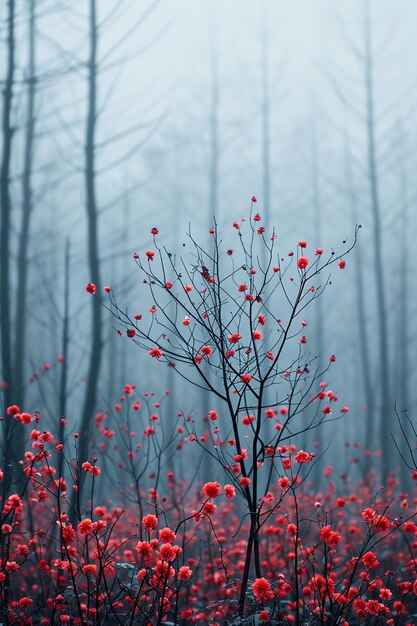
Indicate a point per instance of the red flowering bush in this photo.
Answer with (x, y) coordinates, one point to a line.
(338, 555)
(231, 343)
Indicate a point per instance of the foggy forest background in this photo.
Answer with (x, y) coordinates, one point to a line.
(121, 116)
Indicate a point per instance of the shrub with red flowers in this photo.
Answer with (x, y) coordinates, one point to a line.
(226, 299)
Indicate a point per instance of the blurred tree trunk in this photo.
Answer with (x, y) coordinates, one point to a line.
(265, 120)
(93, 251)
(23, 246)
(365, 359)
(386, 407)
(403, 344)
(5, 236)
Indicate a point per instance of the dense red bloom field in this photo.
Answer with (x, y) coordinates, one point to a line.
(176, 554)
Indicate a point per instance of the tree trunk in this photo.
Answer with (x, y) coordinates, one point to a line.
(385, 393)
(22, 263)
(93, 253)
(5, 301)
(365, 359)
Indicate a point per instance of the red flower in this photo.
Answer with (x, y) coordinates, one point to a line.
(68, 533)
(254, 199)
(154, 231)
(302, 457)
(257, 218)
(264, 616)
(167, 552)
(206, 350)
(12, 410)
(257, 335)
(302, 262)
(131, 332)
(91, 288)
(145, 551)
(166, 535)
(150, 255)
(262, 590)
(90, 568)
(302, 244)
(342, 264)
(184, 573)
(246, 378)
(229, 491)
(369, 560)
(150, 522)
(107, 289)
(235, 338)
(156, 353)
(212, 490)
(248, 419)
(85, 527)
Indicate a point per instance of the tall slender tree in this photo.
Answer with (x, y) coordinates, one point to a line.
(5, 299)
(377, 235)
(92, 236)
(27, 206)
(5, 282)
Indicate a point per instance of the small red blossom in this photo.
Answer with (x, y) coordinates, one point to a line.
(229, 491)
(156, 353)
(302, 262)
(150, 522)
(184, 573)
(91, 288)
(262, 590)
(85, 527)
(212, 490)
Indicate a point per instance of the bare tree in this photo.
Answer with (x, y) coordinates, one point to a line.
(27, 205)
(5, 300)
(92, 242)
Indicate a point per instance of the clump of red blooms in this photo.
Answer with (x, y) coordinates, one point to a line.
(268, 537)
(340, 555)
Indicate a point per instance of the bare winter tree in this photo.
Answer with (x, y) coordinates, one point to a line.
(27, 206)
(5, 279)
